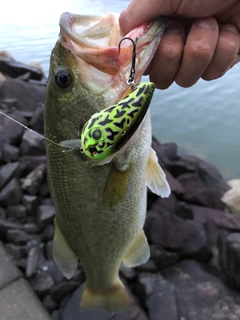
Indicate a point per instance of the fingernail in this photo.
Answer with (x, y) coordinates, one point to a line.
(229, 27)
(207, 23)
(172, 28)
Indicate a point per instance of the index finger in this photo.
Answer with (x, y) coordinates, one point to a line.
(140, 11)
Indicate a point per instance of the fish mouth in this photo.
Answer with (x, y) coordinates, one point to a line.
(94, 40)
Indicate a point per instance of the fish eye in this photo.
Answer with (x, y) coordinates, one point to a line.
(96, 134)
(63, 79)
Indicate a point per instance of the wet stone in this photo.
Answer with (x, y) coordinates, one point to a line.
(46, 214)
(18, 211)
(11, 194)
(36, 122)
(163, 258)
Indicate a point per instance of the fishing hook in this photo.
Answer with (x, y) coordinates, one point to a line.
(130, 80)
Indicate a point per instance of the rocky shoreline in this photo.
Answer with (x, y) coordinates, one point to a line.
(193, 272)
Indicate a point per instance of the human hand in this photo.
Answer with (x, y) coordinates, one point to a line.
(201, 40)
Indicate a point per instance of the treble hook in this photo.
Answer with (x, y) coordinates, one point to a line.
(130, 80)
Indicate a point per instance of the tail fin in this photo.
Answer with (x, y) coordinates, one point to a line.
(114, 300)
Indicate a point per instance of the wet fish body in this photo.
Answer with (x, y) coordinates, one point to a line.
(100, 209)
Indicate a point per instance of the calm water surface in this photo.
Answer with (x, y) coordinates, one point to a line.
(204, 120)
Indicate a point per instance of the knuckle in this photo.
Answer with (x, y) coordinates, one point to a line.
(199, 51)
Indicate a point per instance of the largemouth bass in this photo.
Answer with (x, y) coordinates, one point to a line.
(100, 207)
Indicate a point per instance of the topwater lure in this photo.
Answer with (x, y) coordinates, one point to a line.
(109, 130)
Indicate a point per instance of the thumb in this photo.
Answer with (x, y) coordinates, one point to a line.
(141, 11)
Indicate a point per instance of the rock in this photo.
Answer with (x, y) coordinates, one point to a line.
(46, 214)
(18, 236)
(48, 233)
(175, 186)
(49, 304)
(61, 290)
(7, 172)
(36, 122)
(11, 194)
(30, 163)
(12, 131)
(197, 193)
(32, 261)
(31, 203)
(10, 153)
(53, 269)
(43, 283)
(17, 252)
(32, 183)
(6, 225)
(2, 213)
(128, 273)
(48, 250)
(229, 257)
(165, 204)
(28, 95)
(163, 258)
(32, 144)
(2, 78)
(221, 219)
(200, 293)
(13, 68)
(18, 211)
(184, 164)
(31, 228)
(166, 152)
(168, 230)
(184, 211)
(158, 296)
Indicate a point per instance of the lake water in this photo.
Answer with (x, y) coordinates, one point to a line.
(204, 120)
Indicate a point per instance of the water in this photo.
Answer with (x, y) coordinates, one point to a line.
(204, 120)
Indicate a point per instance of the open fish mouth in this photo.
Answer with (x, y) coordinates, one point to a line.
(94, 40)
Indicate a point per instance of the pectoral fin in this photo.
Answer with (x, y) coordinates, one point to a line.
(156, 178)
(63, 255)
(139, 253)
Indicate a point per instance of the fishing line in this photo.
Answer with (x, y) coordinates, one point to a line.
(36, 133)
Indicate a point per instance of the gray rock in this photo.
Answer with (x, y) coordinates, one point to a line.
(11, 194)
(196, 192)
(184, 210)
(2, 213)
(7, 172)
(32, 144)
(32, 261)
(200, 293)
(31, 228)
(32, 183)
(36, 122)
(18, 236)
(10, 153)
(43, 283)
(12, 132)
(31, 203)
(17, 252)
(18, 211)
(29, 163)
(229, 257)
(163, 258)
(49, 304)
(48, 233)
(61, 290)
(158, 296)
(46, 214)
(13, 68)
(174, 184)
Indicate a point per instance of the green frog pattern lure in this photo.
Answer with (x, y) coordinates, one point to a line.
(107, 131)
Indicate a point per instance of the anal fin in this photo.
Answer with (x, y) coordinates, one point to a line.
(139, 253)
(63, 255)
(156, 178)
